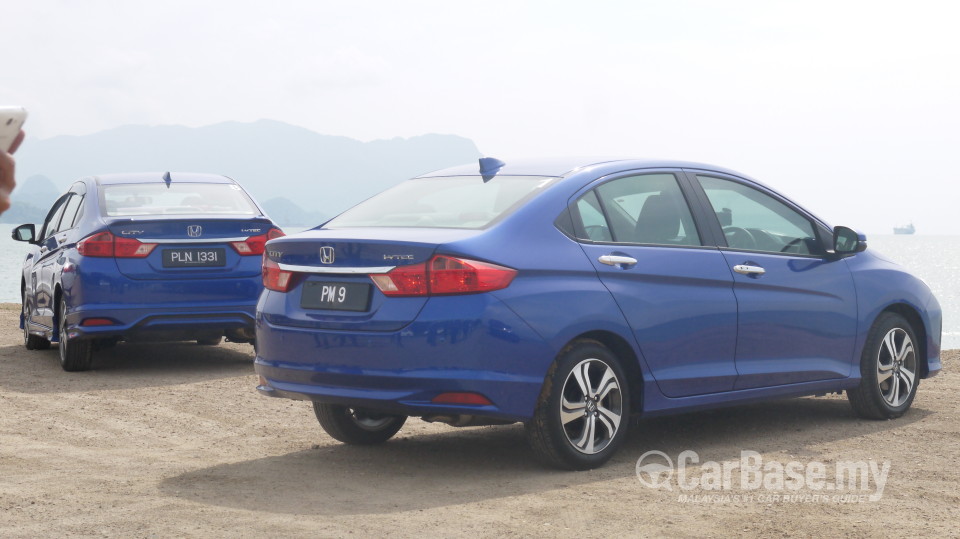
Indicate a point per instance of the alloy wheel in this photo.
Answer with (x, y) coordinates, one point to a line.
(591, 406)
(369, 420)
(62, 333)
(896, 367)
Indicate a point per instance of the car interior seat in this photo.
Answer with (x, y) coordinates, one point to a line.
(659, 220)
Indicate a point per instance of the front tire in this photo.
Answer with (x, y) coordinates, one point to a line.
(889, 370)
(75, 355)
(583, 412)
(355, 425)
(30, 341)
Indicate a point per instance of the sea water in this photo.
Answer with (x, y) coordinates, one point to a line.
(935, 259)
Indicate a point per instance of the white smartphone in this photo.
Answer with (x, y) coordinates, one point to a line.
(11, 120)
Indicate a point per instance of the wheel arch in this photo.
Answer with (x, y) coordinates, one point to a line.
(628, 361)
(912, 316)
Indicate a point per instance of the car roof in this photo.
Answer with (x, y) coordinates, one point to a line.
(157, 177)
(562, 166)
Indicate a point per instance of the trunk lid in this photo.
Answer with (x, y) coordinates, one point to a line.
(333, 288)
(190, 248)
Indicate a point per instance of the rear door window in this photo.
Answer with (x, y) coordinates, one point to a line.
(643, 209)
(595, 226)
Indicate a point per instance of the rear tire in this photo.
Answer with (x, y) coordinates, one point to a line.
(209, 341)
(355, 425)
(583, 412)
(75, 355)
(889, 370)
(104, 344)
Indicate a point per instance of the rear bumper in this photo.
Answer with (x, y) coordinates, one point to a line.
(158, 309)
(160, 324)
(457, 344)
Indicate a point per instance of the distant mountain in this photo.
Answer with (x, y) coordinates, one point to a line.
(40, 188)
(31, 200)
(24, 212)
(302, 173)
(286, 213)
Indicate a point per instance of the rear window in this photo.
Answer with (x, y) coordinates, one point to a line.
(159, 198)
(449, 202)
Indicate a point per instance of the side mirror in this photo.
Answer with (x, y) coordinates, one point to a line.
(847, 241)
(27, 233)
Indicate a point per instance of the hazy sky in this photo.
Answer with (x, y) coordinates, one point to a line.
(852, 108)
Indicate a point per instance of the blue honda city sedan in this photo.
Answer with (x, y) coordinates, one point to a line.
(571, 295)
(132, 257)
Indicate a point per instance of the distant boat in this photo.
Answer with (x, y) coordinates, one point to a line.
(905, 229)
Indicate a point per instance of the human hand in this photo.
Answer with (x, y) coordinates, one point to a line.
(7, 166)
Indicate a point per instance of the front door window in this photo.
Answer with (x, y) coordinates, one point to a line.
(755, 221)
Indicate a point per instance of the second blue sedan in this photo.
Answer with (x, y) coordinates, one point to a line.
(571, 295)
(157, 257)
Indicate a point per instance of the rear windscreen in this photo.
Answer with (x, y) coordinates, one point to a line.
(161, 199)
(450, 202)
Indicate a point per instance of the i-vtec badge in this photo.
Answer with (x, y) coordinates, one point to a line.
(327, 256)
(194, 231)
(250, 229)
(131, 232)
(398, 257)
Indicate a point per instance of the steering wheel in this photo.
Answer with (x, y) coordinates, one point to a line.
(739, 238)
(792, 243)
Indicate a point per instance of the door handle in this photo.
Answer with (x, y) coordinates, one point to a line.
(617, 260)
(749, 270)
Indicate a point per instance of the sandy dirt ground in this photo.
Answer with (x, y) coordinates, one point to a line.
(173, 441)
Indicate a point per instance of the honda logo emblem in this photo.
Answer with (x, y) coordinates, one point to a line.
(327, 255)
(194, 231)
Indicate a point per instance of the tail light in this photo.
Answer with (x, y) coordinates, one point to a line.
(462, 398)
(444, 275)
(275, 278)
(87, 322)
(105, 244)
(254, 244)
